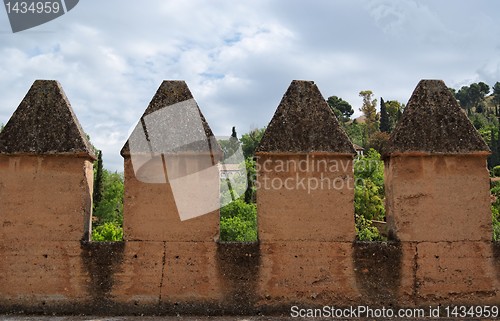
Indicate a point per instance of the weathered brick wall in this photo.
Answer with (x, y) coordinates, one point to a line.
(437, 211)
(46, 180)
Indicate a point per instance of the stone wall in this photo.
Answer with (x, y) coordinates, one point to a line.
(438, 216)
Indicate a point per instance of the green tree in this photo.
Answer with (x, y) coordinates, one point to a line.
(470, 96)
(378, 141)
(484, 89)
(464, 99)
(97, 179)
(1, 127)
(369, 194)
(399, 114)
(481, 108)
(230, 147)
(365, 231)
(250, 141)
(356, 132)
(369, 109)
(394, 111)
(110, 208)
(496, 98)
(479, 120)
(494, 157)
(495, 210)
(342, 109)
(385, 125)
(250, 193)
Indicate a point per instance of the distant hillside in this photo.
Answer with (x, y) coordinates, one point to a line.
(488, 101)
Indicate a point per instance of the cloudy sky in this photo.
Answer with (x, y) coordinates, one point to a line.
(238, 57)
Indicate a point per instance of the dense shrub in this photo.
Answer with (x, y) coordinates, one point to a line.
(108, 212)
(495, 171)
(238, 222)
(369, 195)
(107, 232)
(366, 231)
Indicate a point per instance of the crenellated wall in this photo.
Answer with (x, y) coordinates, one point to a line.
(437, 202)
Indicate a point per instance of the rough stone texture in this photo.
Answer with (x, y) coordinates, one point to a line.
(101, 261)
(303, 123)
(150, 214)
(172, 99)
(44, 123)
(460, 271)
(38, 273)
(190, 273)
(138, 279)
(289, 211)
(238, 268)
(408, 267)
(378, 268)
(433, 122)
(308, 273)
(438, 198)
(203, 278)
(45, 198)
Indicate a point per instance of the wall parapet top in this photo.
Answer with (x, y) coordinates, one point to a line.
(434, 122)
(45, 124)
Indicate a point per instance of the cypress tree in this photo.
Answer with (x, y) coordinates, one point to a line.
(385, 125)
(97, 195)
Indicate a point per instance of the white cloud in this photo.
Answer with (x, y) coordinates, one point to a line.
(239, 57)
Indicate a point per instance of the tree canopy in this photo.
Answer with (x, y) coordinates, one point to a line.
(342, 109)
(470, 96)
(251, 140)
(384, 117)
(496, 94)
(369, 109)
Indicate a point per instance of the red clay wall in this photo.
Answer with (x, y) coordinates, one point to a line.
(305, 197)
(45, 208)
(438, 198)
(437, 208)
(150, 212)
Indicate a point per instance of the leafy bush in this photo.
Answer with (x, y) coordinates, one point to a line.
(110, 207)
(371, 167)
(108, 211)
(495, 209)
(369, 195)
(369, 191)
(496, 223)
(238, 222)
(366, 231)
(107, 232)
(367, 200)
(496, 171)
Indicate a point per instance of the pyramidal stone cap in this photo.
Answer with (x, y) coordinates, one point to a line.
(434, 123)
(175, 95)
(304, 123)
(45, 124)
